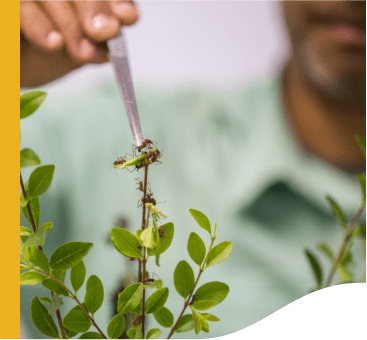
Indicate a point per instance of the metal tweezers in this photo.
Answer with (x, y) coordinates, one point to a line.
(118, 56)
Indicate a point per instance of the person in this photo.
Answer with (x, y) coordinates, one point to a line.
(259, 161)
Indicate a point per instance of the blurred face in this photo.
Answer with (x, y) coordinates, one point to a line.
(329, 46)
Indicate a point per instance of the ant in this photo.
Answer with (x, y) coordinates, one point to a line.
(141, 187)
(145, 144)
(161, 232)
(155, 157)
(119, 161)
(147, 279)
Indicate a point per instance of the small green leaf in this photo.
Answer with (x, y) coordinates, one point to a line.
(184, 279)
(315, 266)
(116, 326)
(69, 254)
(338, 212)
(42, 319)
(38, 239)
(129, 298)
(323, 247)
(77, 275)
(40, 180)
(23, 201)
(91, 335)
(156, 301)
(30, 102)
(39, 259)
(59, 274)
(156, 284)
(164, 317)
(126, 242)
(186, 324)
(147, 238)
(23, 266)
(46, 300)
(131, 333)
(362, 142)
(28, 158)
(199, 321)
(214, 291)
(345, 275)
(77, 321)
(55, 305)
(94, 294)
(136, 310)
(25, 252)
(35, 209)
(210, 317)
(69, 333)
(205, 327)
(24, 231)
(203, 305)
(219, 253)
(154, 333)
(196, 248)
(362, 182)
(31, 278)
(55, 287)
(347, 257)
(201, 219)
(165, 241)
(131, 162)
(139, 332)
(360, 230)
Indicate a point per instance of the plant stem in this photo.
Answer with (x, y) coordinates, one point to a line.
(58, 314)
(187, 302)
(345, 244)
(143, 297)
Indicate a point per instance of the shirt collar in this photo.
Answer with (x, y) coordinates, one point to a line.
(274, 155)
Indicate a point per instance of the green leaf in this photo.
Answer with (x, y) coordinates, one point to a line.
(136, 310)
(35, 209)
(23, 266)
(131, 333)
(69, 254)
(201, 219)
(30, 101)
(156, 284)
(205, 327)
(165, 241)
(339, 214)
(24, 231)
(156, 301)
(210, 317)
(91, 335)
(184, 279)
(31, 278)
(199, 320)
(39, 259)
(129, 298)
(126, 242)
(40, 180)
(323, 247)
(147, 238)
(46, 300)
(77, 276)
(315, 266)
(116, 326)
(77, 321)
(55, 305)
(214, 291)
(42, 319)
(362, 182)
(362, 143)
(196, 248)
(347, 257)
(204, 304)
(164, 317)
(186, 324)
(69, 333)
(38, 239)
(219, 253)
(139, 332)
(23, 201)
(345, 275)
(94, 294)
(360, 230)
(55, 287)
(28, 158)
(59, 274)
(25, 253)
(154, 333)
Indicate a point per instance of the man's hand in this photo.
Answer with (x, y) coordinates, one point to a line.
(57, 37)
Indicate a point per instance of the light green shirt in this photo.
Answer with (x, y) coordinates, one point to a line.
(230, 155)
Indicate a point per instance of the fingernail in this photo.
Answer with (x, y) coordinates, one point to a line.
(54, 38)
(100, 20)
(86, 48)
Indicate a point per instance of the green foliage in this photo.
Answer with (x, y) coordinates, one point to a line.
(40, 180)
(186, 324)
(31, 278)
(39, 259)
(23, 267)
(77, 321)
(362, 182)
(315, 266)
(131, 333)
(55, 287)
(196, 248)
(42, 319)
(147, 238)
(55, 305)
(69, 254)
(214, 292)
(165, 241)
(38, 239)
(129, 298)
(362, 143)
(126, 242)
(94, 294)
(24, 231)
(324, 248)
(77, 275)
(219, 253)
(116, 326)
(30, 102)
(91, 335)
(139, 332)
(46, 300)
(201, 219)
(59, 274)
(164, 317)
(154, 333)
(131, 162)
(34, 203)
(28, 158)
(338, 212)
(184, 279)
(199, 321)
(157, 284)
(156, 301)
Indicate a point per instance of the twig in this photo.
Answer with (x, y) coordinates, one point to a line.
(58, 314)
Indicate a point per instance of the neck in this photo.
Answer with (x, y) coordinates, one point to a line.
(324, 127)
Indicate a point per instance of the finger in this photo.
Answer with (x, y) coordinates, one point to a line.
(38, 28)
(65, 18)
(97, 19)
(126, 11)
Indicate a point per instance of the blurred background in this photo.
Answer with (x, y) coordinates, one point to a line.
(216, 44)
